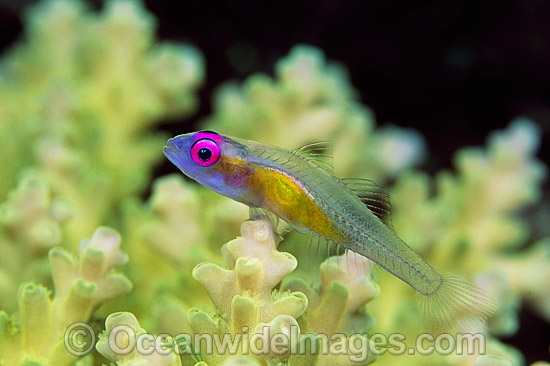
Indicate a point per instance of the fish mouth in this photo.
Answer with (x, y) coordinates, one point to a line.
(170, 150)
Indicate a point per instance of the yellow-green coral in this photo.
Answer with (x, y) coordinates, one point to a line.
(244, 294)
(338, 307)
(80, 286)
(247, 303)
(471, 223)
(79, 97)
(308, 91)
(118, 343)
(31, 223)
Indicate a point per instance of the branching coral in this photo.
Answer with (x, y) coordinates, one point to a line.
(31, 222)
(465, 228)
(532, 285)
(38, 336)
(118, 343)
(167, 238)
(245, 298)
(473, 217)
(78, 98)
(308, 91)
(244, 295)
(339, 306)
(471, 224)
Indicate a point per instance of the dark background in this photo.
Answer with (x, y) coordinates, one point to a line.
(454, 70)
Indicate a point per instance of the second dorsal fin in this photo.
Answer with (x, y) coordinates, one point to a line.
(319, 153)
(373, 196)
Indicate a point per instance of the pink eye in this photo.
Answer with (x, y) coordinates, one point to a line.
(205, 152)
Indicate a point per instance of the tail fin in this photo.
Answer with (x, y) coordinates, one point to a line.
(455, 306)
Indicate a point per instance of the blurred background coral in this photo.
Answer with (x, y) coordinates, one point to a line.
(446, 104)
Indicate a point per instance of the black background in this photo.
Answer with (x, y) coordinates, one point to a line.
(454, 70)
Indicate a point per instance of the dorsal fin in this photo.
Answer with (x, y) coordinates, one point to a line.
(319, 153)
(373, 196)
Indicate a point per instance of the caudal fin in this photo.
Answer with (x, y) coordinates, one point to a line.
(455, 306)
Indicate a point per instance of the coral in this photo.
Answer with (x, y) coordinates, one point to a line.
(80, 96)
(31, 223)
(244, 294)
(167, 238)
(118, 343)
(534, 265)
(307, 91)
(39, 333)
(471, 224)
(347, 285)
(256, 268)
(245, 299)
(338, 307)
(173, 226)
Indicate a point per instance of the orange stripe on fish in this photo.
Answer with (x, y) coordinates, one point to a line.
(350, 213)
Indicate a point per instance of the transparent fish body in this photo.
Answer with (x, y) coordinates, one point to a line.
(302, 192)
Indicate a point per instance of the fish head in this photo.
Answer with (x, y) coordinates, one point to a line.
(215, 161)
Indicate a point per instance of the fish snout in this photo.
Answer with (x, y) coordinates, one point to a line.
(175, 145)
(173, 148)
(169, 148)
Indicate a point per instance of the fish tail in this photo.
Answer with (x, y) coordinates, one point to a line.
(455, 306)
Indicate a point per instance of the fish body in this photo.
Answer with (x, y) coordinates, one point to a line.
(310, 198)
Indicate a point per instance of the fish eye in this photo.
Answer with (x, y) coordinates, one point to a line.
(205, 152)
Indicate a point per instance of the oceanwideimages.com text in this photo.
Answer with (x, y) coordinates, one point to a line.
(80, 339)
